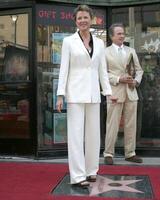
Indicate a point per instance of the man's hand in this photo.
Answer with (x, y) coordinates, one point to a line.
(126, 79)
(59, 103)
(133, 84)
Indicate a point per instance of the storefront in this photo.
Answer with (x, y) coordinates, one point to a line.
(31, 34)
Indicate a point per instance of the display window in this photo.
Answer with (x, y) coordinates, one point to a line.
(14, 111)
(142, 26)
(14, 76)
(53, 23)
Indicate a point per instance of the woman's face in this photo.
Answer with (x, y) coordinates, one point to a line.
(83, 20)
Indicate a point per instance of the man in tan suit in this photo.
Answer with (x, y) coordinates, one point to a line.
(123, 85)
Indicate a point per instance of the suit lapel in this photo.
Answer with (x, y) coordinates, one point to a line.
(80, 43)
(95, 46)
(127, 54)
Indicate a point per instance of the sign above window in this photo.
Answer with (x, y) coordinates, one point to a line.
(56, 15)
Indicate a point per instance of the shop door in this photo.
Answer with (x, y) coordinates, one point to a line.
(53, 24)
(142, 27)
(15, 83)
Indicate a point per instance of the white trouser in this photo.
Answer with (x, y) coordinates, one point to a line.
(83, 124)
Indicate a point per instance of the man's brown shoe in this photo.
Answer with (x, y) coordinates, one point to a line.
(108, 160)
(135, 159)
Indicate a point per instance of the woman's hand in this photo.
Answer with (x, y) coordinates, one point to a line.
(59, 103)
(113, 99)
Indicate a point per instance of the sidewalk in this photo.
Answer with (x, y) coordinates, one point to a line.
(151, 161)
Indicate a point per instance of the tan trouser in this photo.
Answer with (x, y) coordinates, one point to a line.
(114, 112)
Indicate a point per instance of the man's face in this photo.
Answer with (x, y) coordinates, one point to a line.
(118, 36)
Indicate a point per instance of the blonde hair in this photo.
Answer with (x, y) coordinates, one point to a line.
(83, 8)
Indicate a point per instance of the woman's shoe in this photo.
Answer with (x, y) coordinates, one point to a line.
(82, 184)
(92, 178)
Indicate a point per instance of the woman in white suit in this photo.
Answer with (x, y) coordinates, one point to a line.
(82, 67)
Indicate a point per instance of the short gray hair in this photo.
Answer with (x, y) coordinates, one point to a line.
(113, 26)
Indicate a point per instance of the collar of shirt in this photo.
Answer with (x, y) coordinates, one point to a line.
(90, 43)
(117, 47)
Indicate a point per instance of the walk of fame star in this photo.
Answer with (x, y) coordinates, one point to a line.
(104, 184)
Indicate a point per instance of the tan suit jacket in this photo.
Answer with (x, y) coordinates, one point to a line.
(116, 68)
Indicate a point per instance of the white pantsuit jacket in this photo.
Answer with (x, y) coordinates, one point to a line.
(80, 74)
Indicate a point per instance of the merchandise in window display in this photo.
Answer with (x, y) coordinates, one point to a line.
(49, 98)
(47, 139)
(57, 39)
(54, 123)
(48, 120)
(55, 85)
(14, 112)
(60, 127)
(151, 96)
(16, 64)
